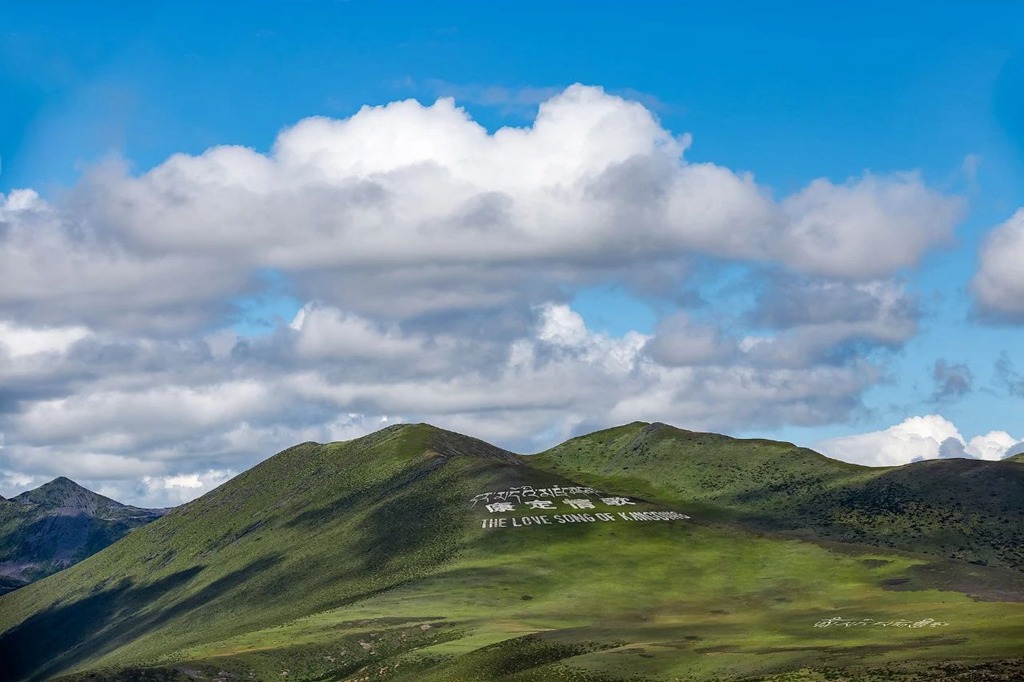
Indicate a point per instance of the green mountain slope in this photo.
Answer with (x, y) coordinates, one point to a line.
(56, 525)
(957, 508)
(419, 554)
(313, 527)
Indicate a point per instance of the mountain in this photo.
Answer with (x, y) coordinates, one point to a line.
(56, 525)
(958, 508)
(419, 554)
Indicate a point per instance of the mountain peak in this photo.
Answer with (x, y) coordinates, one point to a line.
(452, 444)
(62, 482)
(62, 492)
(65, 485)
(442, 442)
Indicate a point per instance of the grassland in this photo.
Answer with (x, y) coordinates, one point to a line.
(673, 601)
(366, 560)
(962, 509)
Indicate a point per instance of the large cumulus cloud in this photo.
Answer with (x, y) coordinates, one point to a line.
(918, 438)
(425, 197)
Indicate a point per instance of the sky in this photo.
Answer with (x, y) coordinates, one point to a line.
(226, 228)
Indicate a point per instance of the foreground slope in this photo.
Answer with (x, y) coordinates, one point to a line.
(56, 525)
(404, 555)
(313, 527)
(957, 508)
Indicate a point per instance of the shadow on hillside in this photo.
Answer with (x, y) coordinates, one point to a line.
(317, 516)
(409, 522)
(53, 537)
(365, 495)
(67, 634)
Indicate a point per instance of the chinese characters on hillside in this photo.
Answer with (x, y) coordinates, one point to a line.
(569, 501)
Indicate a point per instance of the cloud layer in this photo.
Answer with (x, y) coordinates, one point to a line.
(436, 261)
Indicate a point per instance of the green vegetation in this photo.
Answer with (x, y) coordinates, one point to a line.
(958, 508)
(366, 560)
(58, 524)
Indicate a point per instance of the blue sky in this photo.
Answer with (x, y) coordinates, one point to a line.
(788, 92)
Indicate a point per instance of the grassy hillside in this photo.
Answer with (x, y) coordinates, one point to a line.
(313, 527)
(56, 525)
(963, 509)
(370, 560)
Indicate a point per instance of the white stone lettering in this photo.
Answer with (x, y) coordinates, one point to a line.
(519, 521)
(482, 497)
(837, 621)
(520, 493)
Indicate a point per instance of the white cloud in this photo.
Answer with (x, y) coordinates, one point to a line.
(928, 437)
(125, 417)
(866, 228)
(19, 341)
(404, 209)
(169, 491)
(50, 461)
(822, 318)
(999, 281)
(563, 328)
(61, 266)
(679, 341)
(15, 482)
(993, 445)
(555, 377)
(331, 333)
(440, 257)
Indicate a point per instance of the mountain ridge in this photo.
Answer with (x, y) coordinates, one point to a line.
(958, 508)
(416, 554)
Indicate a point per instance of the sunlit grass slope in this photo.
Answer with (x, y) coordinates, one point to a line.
(366, 560)
(644, 601)
(958, 508)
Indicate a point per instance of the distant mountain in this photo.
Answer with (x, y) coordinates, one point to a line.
(963, 509)
(56, 525)
(419, 555)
